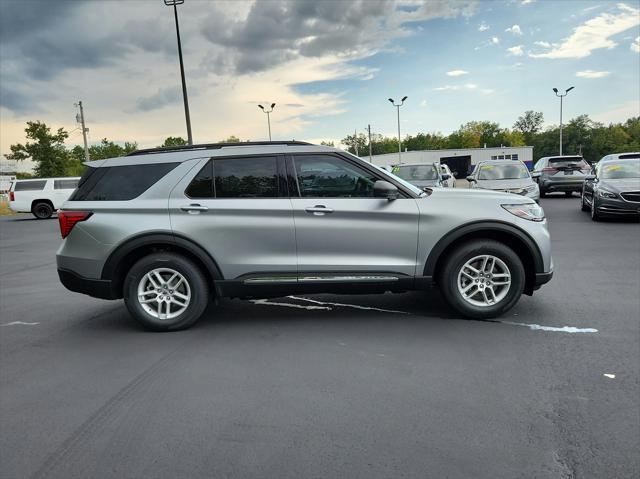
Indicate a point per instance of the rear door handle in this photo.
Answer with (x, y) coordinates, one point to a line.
(318, 210)
(194, 208)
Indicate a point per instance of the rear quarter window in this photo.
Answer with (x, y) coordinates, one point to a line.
(65, 184)
(119, 183)
(30, 185)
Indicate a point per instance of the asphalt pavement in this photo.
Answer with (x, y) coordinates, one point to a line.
(327, 386)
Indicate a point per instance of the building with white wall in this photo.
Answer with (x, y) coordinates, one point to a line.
(461, 161)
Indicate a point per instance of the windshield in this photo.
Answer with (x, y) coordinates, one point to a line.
(623, 169)
(503, 172)
(416, 172)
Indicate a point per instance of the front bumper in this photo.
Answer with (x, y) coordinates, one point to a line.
(617, 207)
(98, 288)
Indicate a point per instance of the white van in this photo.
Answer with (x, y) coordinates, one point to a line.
(40, 196)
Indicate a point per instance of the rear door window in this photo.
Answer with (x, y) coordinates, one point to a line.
(119, 183)
(250, 177)
(30, 185)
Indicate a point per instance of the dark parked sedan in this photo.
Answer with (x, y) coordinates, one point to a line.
(613, 189)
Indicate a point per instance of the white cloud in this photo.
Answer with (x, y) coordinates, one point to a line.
(591, 74)
(594, 34)
(527, 2)
(619, 113)
(543, 44)
(495, 40)
(516, 51)
(635, 45)
(465, 86)
(457, 73)
(515, 29)
(483, 27)
(423, 103)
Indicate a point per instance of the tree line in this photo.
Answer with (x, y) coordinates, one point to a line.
(581, 135)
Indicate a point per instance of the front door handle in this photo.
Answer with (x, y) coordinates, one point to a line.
(318, 210)
(193, 208)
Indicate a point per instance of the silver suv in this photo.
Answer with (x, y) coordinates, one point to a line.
(169, 229)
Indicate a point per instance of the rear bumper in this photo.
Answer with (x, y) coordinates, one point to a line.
(98, 288)
(550, 185)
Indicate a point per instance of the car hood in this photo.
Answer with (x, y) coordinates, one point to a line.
(477, 194)
(504, 184)
(424, 183)
(621, 185)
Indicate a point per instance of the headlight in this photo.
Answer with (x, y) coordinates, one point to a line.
(532, 188)
(606, 194)
(527, 211)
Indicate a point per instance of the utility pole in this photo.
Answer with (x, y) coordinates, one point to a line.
(85, 130)
(174, 4)
(561, 97)
(355, 141)
(369, 130)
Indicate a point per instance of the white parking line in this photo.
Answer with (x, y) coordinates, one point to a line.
(288, 305)
(564, 329)
(20, 323)
(343, 305)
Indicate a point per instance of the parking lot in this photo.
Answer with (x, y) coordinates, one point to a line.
(327, 386)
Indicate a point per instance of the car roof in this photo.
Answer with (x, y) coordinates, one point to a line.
(500, 162)
(46, 179)
(422, 163)
(560, 156)
(180, 154)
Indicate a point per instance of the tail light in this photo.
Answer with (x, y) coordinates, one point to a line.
(68, 220)
(12, 196)
(549, 168)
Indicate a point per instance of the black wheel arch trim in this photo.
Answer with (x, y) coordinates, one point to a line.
(148, 239)
(499, 226)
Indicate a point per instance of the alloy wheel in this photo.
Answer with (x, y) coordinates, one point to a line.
(484, 280)
(164, 293)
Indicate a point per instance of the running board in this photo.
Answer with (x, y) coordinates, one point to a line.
(351, 278)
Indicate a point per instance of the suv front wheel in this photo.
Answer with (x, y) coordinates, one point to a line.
(166, 292)
(482, 279)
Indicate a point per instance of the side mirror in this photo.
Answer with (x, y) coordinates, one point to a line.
(445, 176)
(384, 189)
(590, 178)
(470, 179)
(535, 174)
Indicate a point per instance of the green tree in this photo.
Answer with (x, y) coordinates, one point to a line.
(529, 124)
(174, 141)
(356, 143)
(327, 143)
(46, 150)
(231, 139)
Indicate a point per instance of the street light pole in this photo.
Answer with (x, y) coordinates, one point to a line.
(268, 112)
(561, 96)
(398, 105)
(187, 116)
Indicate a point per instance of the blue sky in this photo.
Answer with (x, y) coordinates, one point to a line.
(329, 66)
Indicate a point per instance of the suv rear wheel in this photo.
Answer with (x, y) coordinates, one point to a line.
(42, 210)
(482, 279)
(166, 292)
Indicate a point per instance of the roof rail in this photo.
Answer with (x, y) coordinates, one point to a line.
(212, 146)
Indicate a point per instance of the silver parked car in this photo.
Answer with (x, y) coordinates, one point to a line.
(510, 176)
(421, 175)
(560, 173)
(168, 229)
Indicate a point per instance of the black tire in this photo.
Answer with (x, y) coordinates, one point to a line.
(583, 205)
(42, 210)
(456, 260)
(193, 275)
(568, 194)
(542, 193)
